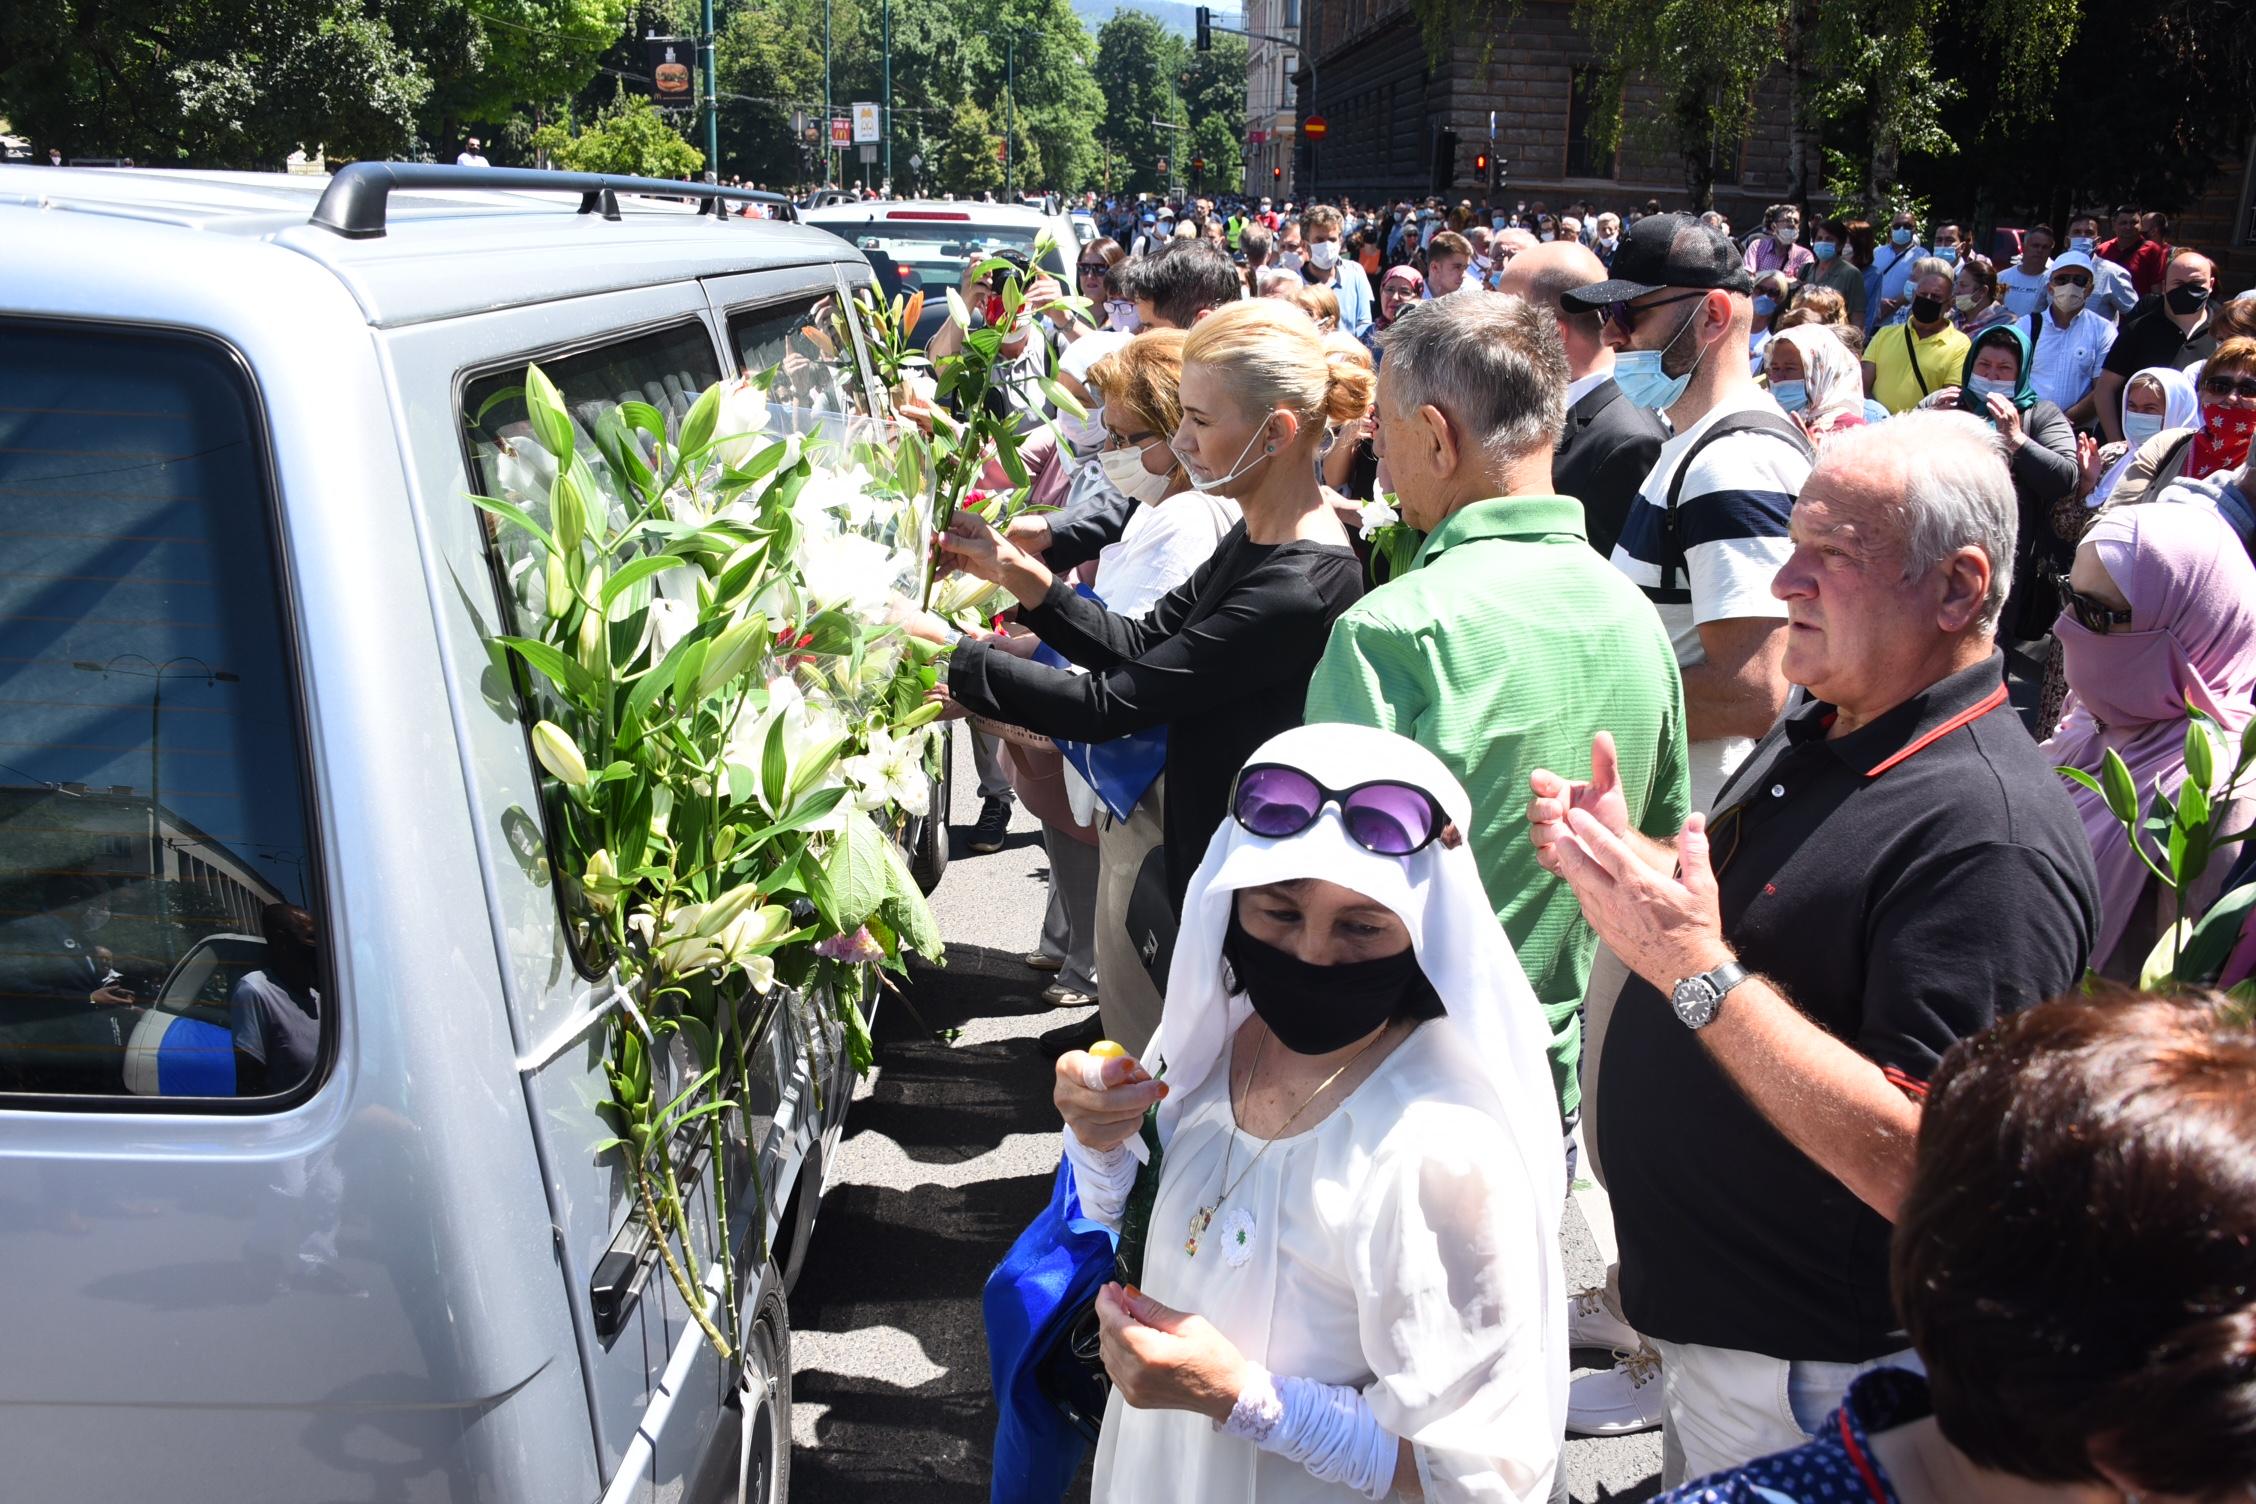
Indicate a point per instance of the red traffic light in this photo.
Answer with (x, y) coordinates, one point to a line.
(1480, 164)
(1276, 174)
(1198, 164)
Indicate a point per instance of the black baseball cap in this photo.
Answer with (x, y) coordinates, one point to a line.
(1665, 250)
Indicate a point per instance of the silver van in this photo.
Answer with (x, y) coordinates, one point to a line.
(259, 761)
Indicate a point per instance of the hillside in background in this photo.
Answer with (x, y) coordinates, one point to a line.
(1176, 18)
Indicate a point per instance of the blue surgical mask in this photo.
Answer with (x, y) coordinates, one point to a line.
(2139, 427)
(1638, 374)
(1765, 307)
(1790, 395)
(1989, 386)
(1900, 235)
(1946, 254)
(2080, 243)
(1826, 249)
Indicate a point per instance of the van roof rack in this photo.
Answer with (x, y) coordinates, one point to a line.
(355, 202)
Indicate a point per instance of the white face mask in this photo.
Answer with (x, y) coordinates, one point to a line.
(1289, 260)
(1239, 467)
(1786, 234)
(1322, 253)
(1124, 470)
(2069, 298)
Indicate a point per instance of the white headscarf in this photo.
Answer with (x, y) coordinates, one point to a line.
(2181, 408)
(1438, 896)
(1829, 371)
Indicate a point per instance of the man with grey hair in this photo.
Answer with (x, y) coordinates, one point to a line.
(1894, 868)
(1507, 643)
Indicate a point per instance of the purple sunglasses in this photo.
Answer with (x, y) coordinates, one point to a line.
(1384, 816)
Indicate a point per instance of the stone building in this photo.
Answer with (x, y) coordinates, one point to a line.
(1385, 102)
(1272, 114)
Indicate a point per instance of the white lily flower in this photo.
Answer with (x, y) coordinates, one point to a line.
(741, 425)
(1373, 515)
(525, 471)
(890, 772)
(846, 571)
(760, 972)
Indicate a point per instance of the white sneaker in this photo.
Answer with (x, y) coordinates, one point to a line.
(1591, 1323)
(1621, 1401)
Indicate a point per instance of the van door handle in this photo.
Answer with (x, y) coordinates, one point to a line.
(615, 1291)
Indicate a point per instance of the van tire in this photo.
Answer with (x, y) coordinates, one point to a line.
(928, 858)
(764, 1397)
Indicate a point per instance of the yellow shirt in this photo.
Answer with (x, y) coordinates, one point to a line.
(1942, 356)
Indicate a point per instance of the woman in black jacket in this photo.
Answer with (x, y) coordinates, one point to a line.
(1224, 660)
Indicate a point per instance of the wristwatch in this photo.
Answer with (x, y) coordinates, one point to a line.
(1697, 998)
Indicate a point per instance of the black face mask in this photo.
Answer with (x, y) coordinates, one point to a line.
(1314, 1010)
(2187, 298)
(1927, 310)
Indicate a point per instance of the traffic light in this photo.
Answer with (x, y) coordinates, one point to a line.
(1205, 29)
(1444, 160)
(1480, 166)
(1276, 174)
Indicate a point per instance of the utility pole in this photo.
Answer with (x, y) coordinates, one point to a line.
(712, 98)
(1010, 118)
(826, 146)
(889, 95)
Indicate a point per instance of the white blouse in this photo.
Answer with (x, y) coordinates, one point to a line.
(1396, 1247)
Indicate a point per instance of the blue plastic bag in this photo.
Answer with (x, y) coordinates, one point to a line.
(1055, 1267)
(1121, 770)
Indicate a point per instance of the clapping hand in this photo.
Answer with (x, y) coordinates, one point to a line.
(1555, 798)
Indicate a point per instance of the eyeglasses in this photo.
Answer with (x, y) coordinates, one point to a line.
(1385, 816)
(2229, 386)
(1624, 315)
(2092, 613)
(1092, 268)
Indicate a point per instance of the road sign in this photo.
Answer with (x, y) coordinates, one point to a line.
(1314, 127)
(841, 131)
(869, 151)
(916, 162)
(866, 127)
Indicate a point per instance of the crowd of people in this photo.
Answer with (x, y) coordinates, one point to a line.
(1680, 809)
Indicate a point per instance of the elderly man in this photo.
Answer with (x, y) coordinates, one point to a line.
(1893, 869)
(2067, 340)
(1508, 643)
(1607, 446)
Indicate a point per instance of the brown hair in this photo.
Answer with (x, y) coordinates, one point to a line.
(2235, 318)
(2073, 1260)
(1320, 304)
(1815, 305)
(1143, 379)
(1318, 217)
(2233, 355)
(1448, 243)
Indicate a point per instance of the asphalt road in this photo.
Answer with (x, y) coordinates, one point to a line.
(948, 1152)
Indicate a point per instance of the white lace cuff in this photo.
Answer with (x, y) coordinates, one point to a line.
(1326, 1428)
(1103, 1178)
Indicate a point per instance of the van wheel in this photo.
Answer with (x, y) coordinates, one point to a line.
(764, 1394)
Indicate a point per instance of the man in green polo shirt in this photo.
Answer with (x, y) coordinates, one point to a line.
(1508, 642)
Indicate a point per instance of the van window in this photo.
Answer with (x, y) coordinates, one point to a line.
(160, 936)
(668, 370)
(805, 354)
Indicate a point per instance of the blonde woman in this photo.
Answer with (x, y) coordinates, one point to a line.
(1223, 661)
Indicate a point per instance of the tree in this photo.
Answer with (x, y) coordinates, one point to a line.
(969, 152)
(219, 83)
(630, 136)
(1215, 101)
(513, 54)
(1137, 60)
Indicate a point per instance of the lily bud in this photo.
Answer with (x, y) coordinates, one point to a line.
(560, 755)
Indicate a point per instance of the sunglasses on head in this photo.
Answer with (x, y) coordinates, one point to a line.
(2229, 386)
(2092, 613)
(1385, 816)
(1624, 315)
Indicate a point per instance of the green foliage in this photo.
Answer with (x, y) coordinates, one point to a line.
(969, 153)
(1136, 66)
(630, 136)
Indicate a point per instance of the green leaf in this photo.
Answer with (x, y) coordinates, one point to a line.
(1063, 400)
(2200, 756)
(635, 572)
(555, 665)
(2158, 972)
(857, 870)
(2080, 776)
(2247, 748)
(698, 424)
(775, 766)
(1006, 450)
(2193, 806)
(544, 408)
(688, 671)
(906, 910)
(2117, 788)
(518, 517)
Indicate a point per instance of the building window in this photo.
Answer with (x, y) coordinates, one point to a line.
(1583, 159)
(1292, 14)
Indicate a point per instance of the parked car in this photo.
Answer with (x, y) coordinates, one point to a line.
(924, 244)
(261, 747)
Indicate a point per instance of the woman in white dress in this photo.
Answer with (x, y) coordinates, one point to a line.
(1351, 1282)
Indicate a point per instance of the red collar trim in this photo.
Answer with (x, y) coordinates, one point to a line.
(1968, 716)
(1856, 1455)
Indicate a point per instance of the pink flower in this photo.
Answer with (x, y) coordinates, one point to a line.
(858, 947)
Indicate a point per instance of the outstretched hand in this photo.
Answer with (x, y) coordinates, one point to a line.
(974, 546)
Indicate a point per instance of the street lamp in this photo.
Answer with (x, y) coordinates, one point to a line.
(155, 673)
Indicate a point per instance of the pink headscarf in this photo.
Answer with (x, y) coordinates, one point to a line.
(2191, 641)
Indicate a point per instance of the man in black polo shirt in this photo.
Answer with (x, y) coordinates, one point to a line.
(2174, 328)
(1893, 867)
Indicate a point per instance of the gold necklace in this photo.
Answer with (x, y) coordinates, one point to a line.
(1203, 1218)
